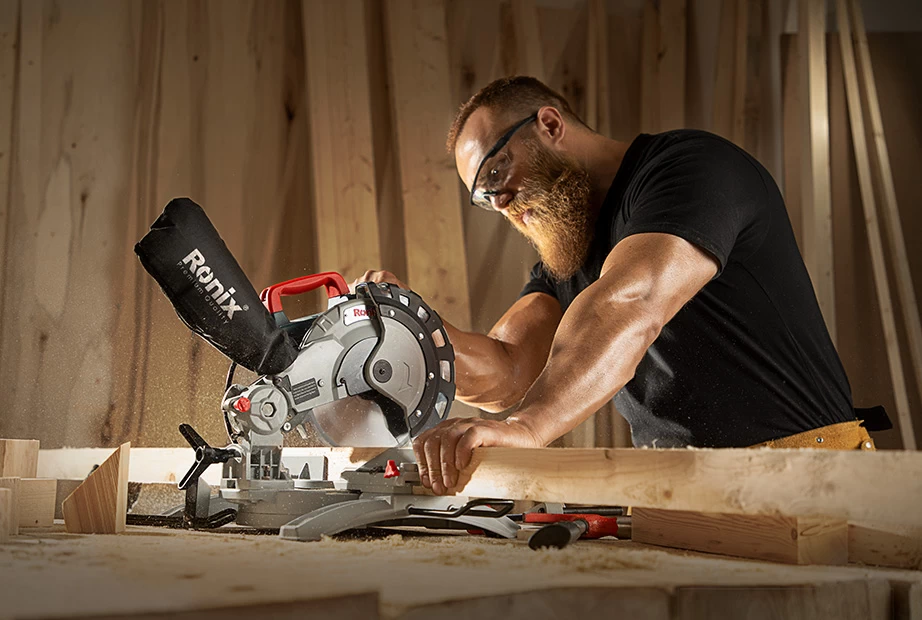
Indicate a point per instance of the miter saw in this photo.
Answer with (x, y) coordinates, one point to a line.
(375, 369)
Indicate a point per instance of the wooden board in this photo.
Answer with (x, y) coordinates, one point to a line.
(13, 486)
(882, 172)
(19, 458)
(792, 540)
(869, 205)
(6, 513)
(815, 181)
(421, 92)
(736, 481)
(36, 502)
(339, 107)
(875, 544)
(99, 505)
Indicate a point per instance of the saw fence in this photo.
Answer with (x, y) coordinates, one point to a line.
(314, 131)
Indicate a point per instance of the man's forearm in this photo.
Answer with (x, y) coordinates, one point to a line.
(485, 371)
(595, 353)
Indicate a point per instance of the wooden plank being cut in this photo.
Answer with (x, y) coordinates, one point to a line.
(792, 540)
(99, 505)
(875, 244)
(897, 546)
(841, 484)
(12, 485)
(19, 458)
(36, 502)
(6, 514)
(883, 176)
(339, 107)
(421, 97)
(815, 182)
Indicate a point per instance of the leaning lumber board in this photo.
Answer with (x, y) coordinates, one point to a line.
(6, 514)
(99, 505)
(875, 243)
(792, 540)
(36, 502)
(883, 175)
(18, 458)
(12, 485)
(843, 484)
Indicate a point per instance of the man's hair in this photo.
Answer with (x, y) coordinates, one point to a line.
(519, 94)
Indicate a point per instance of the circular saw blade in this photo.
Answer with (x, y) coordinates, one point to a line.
(421, 376)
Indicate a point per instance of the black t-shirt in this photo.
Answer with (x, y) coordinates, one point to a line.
(749, 358)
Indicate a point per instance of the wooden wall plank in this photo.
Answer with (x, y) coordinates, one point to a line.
(733, 481)
(671, 64)
(875, 243)
(649, 74)
(421, 91)
(339, 107)
(815, 182)
(792, 540)
(598, 95)
(530, 60)
(9, 56)
(882, 173)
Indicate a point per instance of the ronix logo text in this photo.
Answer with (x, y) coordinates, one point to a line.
(206, 282)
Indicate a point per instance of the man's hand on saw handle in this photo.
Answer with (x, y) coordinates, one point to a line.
(378, 277)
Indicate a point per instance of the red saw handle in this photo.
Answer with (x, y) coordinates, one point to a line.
(598, 525)
(272, 295)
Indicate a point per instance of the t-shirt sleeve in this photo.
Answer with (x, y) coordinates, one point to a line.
(702, 189)
(539, 282)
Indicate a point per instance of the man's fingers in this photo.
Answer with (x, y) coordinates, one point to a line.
(447, 456)
(418, 450)
(432, 449)
(464, 450)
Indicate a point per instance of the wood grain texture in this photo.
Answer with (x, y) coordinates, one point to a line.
(875, 544)
(36, 502)
(12, 485)
(875, 243)
(19, 457)
(100, 503)
(342, 150)
(792, 540)
(671, 61)
(882, 173)
(815, 180)
(733, 481)
(421, 92)
(6, 514)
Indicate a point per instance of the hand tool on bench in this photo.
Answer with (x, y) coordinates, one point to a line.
(375, 369)
(562, 529)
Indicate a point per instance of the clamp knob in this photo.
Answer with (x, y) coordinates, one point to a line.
(205, 456)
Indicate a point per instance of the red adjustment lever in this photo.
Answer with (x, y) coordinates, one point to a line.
(598, 525)
(272, 295)
(391, 470)
(242, 404)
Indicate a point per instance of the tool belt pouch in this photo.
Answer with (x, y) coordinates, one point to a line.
(209, 291)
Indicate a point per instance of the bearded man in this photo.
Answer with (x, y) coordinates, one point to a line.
(669, 279)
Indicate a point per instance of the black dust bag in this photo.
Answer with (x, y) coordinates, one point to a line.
(209, 291)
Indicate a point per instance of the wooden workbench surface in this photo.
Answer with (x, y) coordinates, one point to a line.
(48, 573)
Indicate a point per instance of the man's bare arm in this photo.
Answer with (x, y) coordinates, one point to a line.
(494, 371)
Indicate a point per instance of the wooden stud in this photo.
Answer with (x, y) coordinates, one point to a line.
(875, 244)
(598, 95)
(883, 177)
(815, 182)
(792, 540)
(13, 485)
(9, 34)
(529, 58)
(19, 458)
(671, 65)
(339, 107)
(421, 97)
(734, 481)
(6, 513)
(100, 504)
(649, 75)
(36, 502)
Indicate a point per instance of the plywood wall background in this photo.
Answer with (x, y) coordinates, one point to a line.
(312, 133)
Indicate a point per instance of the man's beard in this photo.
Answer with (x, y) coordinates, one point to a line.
(556, 195)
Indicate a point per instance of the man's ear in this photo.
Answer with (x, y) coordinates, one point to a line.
(551, 124)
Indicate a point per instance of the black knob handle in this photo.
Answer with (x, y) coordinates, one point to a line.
(558, 534)
(205, 456)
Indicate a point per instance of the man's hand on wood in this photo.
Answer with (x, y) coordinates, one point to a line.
(443, 451)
